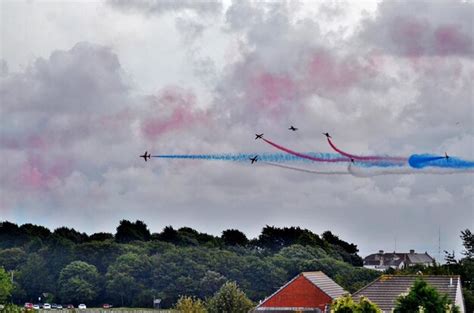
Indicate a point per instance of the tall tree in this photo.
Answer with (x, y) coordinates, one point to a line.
(6, 285)
(234, 237)
(128, 231)
(229, 299)
(468, 243)
(79, 281)
(422, 295)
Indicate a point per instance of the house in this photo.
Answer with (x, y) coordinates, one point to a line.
(386, 289)
(382, 261)
(307, 292)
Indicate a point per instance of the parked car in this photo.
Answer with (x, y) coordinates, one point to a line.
(82, 306)
(46, 306)
(59, 307)
(70, 306)
(54, 306)
(36, 307)
(106, 306)
(28, 305)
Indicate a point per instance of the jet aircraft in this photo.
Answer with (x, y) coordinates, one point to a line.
(146, 156)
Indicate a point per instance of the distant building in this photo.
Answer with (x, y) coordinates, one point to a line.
(386, 289)
(382, 261)
(307, 292)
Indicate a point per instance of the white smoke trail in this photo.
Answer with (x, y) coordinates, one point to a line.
(304, 170)
(370, 172)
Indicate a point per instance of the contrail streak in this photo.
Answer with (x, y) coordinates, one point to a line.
(371, 172)
(305, 156)
(304, 170)
(367, 158)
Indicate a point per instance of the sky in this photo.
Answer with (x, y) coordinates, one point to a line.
(88, 86)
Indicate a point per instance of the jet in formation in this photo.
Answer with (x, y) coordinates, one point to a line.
(254, 159)
(293, 128)
(327, 135)
(146, 156)
(258, 136)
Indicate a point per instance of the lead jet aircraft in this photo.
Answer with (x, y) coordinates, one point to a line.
(258, 136)
(146, 156)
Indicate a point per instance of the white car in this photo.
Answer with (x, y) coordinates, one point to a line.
(46, 306)
(36, 307)
(82, 306)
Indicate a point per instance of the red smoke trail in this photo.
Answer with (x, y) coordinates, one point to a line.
(304, 156)
(367, 158)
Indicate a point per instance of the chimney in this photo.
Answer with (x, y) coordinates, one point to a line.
(380, 251)
(412, 251)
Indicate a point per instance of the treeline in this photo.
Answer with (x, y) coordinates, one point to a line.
(134, 266)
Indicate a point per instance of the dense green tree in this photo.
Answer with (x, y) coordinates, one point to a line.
(468, 242)
(333, 239)
(79, 281)
(127, 276)
(421, 294)
(12, 258)
(346, 304)
(234, 237)
(229, 299)
(128, 232)
(187, 304)
(70, 234)
(210, 283)
(37, 231)
(6, 286)
(122, 287)
(34, 277)
(100, 237)
(169, 234)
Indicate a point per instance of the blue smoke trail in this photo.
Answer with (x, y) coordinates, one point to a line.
(274, 157)
(244, 157)
(424, 160)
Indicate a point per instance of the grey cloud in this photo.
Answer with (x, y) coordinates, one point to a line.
(418, 28)
(157, 7)
(392, 106)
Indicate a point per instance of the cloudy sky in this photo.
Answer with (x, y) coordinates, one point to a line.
(86, 87)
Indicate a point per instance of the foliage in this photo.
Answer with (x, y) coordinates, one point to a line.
(133, 266)
(79, 282)
(187, 304)
(234, 237)
(468, 243)
(6, 285)
(346, 304)
(128, 231)
(229, 299)
(11, 308)
(423, 295)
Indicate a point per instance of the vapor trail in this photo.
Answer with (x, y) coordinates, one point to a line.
(367, 158)
(371, 172)
(429, 160)
(304, 170)
(305, 156)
